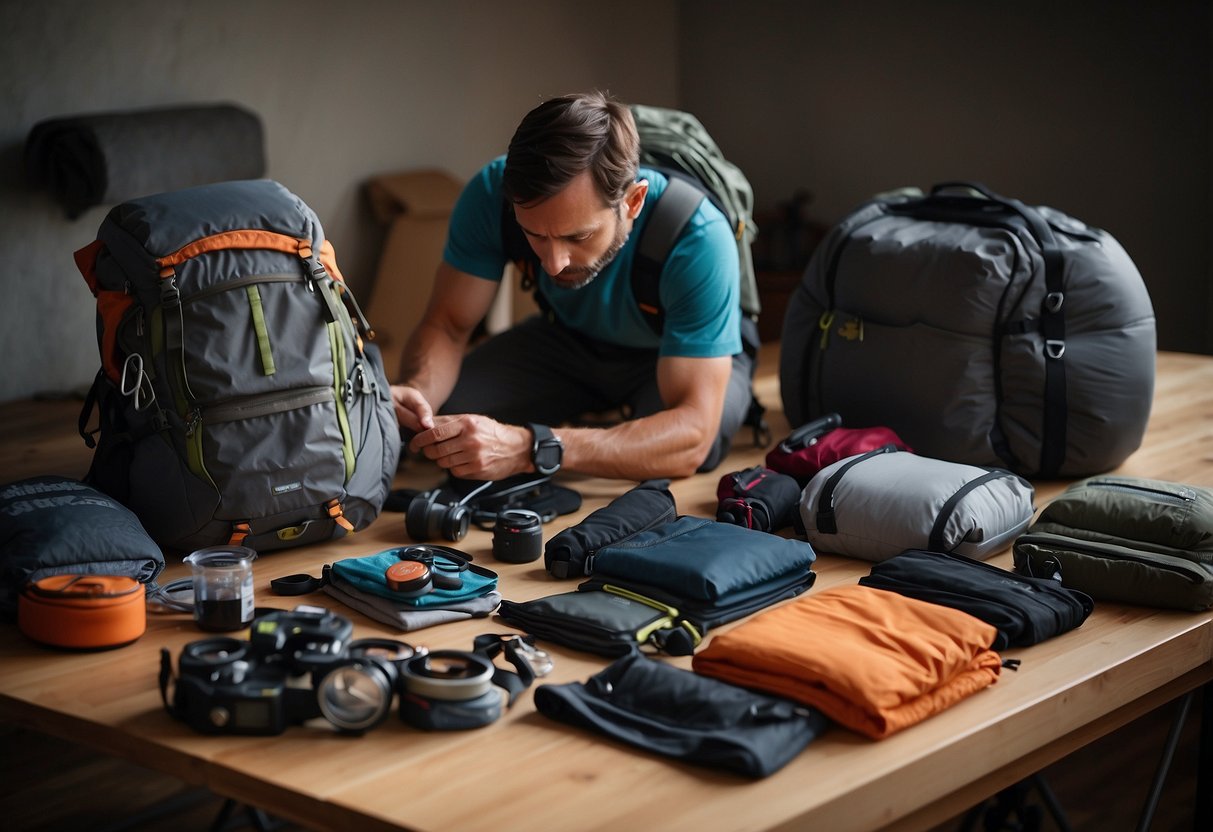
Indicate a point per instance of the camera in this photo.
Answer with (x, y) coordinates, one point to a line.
(295, 666)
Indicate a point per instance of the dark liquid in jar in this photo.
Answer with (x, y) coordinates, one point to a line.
(221, 616)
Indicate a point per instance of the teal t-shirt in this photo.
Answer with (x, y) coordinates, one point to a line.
(700, 284)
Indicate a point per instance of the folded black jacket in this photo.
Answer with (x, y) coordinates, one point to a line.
(1024, 610)
(681, 714)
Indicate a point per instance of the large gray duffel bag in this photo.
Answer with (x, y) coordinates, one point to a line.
(980, 329)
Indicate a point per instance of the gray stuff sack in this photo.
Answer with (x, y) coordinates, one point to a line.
(53, 525)
(876, 505)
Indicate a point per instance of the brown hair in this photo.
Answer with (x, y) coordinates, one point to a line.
(565, 136)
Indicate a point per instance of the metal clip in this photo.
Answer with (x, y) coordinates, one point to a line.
(539, 660)
(140, 387)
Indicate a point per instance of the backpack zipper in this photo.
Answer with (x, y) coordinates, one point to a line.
(246, 407)
(1181, 498)
(240, 283)
(266, 404)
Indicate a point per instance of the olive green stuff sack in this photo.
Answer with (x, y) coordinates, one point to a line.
(1126, 539)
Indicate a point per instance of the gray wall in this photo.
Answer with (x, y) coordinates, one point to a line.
(1100, 109)
(345, 90)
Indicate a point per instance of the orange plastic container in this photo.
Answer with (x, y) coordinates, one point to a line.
(85, 612)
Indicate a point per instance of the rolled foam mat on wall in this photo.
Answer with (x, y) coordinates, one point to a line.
(107, 158)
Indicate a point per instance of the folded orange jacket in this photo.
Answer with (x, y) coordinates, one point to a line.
(871, 660)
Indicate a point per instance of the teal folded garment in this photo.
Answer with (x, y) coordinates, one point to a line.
(366, 574)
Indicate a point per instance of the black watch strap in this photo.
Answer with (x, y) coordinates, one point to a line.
(547, 451)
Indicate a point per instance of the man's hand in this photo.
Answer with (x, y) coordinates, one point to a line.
(413, 411)
(475, 447)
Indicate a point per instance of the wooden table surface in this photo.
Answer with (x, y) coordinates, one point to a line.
(527, 772)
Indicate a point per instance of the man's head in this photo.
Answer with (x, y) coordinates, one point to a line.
(571, 174)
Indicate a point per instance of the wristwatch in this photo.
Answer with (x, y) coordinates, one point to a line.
(547, 451)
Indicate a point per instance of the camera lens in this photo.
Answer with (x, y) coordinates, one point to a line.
(355, 695)
(518, 536)
(448, 675)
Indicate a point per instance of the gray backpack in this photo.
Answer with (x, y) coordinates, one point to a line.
(981, 330)
(238, 402)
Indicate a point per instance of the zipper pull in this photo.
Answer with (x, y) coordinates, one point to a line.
(824, 323)
(351, 301)
(195, 422)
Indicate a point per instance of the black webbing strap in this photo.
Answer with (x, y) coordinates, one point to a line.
(826, 523)
(674, 209)
(521, 653)
(935, 540)
(1053, 328)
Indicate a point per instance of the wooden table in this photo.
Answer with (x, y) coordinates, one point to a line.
(526, 772)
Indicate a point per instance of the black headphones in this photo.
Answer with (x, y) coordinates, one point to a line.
(421, 569)
(426, 518)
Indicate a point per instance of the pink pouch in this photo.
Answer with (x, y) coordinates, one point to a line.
(823, 442)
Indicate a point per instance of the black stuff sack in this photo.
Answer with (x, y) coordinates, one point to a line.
(608, 622)
(52, 525)
(1024, 610)
(758, 498)
(646, 506)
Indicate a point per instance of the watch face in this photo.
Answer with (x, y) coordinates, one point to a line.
(547, 458)
(548, 451)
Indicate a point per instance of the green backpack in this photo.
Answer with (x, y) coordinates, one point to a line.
(675, 142)
(1126, 539)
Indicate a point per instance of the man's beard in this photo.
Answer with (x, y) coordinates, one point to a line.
(582, 276)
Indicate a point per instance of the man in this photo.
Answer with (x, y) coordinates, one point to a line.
(571, 180)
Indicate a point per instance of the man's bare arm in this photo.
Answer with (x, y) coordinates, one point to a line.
(670, 443)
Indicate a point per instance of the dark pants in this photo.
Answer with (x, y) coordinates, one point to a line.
(540, 371)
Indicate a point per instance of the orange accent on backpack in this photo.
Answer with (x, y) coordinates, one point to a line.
(239, 532)
(242, 238)
(328, 259)
(338, 515)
